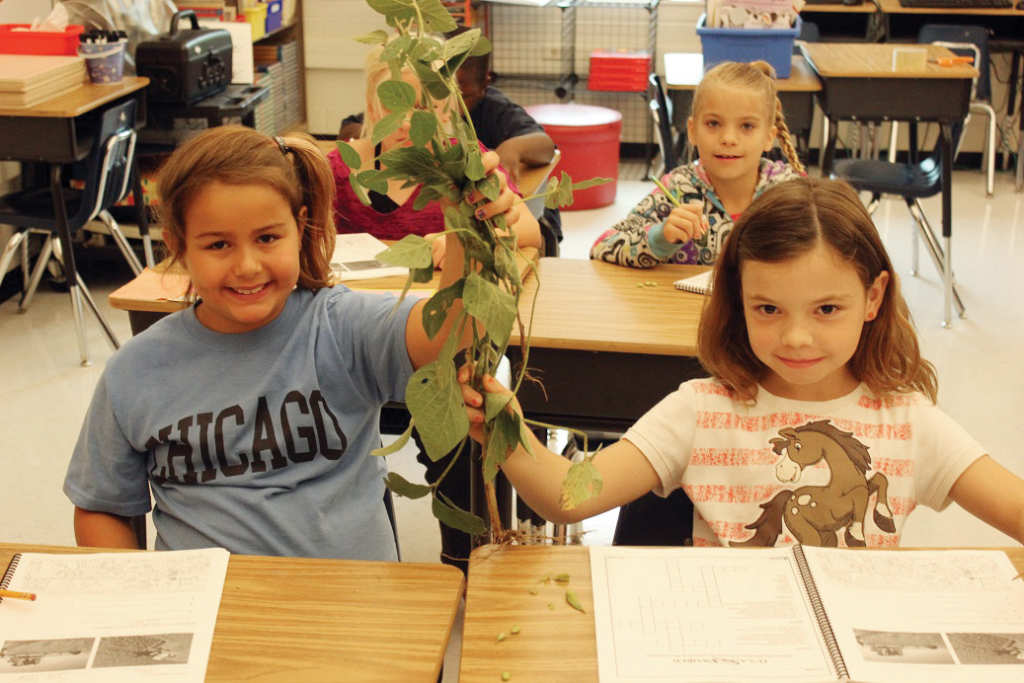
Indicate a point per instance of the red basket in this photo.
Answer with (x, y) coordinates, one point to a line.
(39, 42)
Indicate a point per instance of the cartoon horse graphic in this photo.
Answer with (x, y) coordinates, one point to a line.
(814, 514)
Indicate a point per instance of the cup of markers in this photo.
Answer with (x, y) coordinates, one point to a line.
(104, 55)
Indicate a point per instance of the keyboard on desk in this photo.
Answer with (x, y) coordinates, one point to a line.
(957, 4)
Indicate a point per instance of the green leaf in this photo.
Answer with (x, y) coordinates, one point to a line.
(431, 80)
(495, 403)
(436, 17)
(393, 9)
(435, 401)
(500, 442)
(475, 166)
(426, 195)
(378, 37)
(425, 274)
(435, 311)
(524, 438)
(482, 47)
(559, 192)
(396, 96)
(415, 164)
(412, 251)
(582, 482)
(426, 49)
(505, 265)
(397, 444)
(406, 489)
(358, 189)
(349, 155)
(422, 127)
(590, 183)
(373, 179)
(457, 518)
(491, 305)
(489, 187)
(396, 48)
(387, 125)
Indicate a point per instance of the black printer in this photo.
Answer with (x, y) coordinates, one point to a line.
(185, 66)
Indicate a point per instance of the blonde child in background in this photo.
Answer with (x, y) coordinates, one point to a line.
(251, 415)
(735, 117)
(819, 423)
(393, 215)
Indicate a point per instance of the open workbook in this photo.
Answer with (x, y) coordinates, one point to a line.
(110, 617)
(807, 615)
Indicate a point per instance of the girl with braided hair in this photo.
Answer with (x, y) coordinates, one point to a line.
(735, 117)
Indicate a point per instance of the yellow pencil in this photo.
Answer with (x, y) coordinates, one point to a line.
(17, 595)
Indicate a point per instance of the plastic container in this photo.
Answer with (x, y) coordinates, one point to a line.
(273, 15)
(619, 71)
(39, 42)
(105, 61)
(774, 46)
(257, 18)
(588, 138)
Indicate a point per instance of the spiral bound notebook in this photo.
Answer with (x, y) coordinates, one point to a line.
(806, 615)
(698, 284)
(111, 616)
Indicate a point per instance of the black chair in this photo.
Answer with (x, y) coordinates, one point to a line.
(661, 114)
(913, 181)
(106, 175)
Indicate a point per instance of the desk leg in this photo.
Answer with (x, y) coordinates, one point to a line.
(70, 271)
(140, 208)
(830, 147)
(947, 221)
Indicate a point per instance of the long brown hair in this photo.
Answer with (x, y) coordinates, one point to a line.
(295, 168)
(759, 77)
(787, 220)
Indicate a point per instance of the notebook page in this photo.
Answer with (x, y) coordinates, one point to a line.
(690, 615)
(943, 616)
(112, 616)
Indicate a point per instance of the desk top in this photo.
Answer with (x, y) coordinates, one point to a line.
(894, 7)
(341, 620)
(81, 100)
(554, 645)
(874, 60)
(154, 289)
(684, 70)
(866, 7)
(595, 306)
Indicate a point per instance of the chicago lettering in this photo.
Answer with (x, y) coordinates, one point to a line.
(194, 449)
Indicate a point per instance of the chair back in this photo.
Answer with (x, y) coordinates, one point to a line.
(108, 168)
(964, 37)
(661, 113)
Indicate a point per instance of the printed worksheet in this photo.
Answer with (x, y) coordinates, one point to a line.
(111, 616)
(696, 614)
(355, 258)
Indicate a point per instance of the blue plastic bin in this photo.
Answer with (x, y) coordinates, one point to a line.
(774, 46)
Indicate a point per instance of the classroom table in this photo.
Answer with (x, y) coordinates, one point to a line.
(684, 70)
(299, 619)
(60, 131)
(605, 344)
(554, 645)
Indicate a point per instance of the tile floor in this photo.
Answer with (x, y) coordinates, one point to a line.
(45, 392)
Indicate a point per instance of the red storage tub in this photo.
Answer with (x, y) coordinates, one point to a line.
(620, 71)
(39, 42)
(588, 138)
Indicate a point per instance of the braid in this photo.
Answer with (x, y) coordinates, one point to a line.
(785, 140)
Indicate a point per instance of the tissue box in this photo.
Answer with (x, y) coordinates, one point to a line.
(39, 42)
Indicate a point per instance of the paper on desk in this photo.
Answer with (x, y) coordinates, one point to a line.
(355, 258)
(242, 69)
(112, 616)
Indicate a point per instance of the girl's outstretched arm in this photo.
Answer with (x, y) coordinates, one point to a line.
(422, 349)
(104, 530)
(994, 495)
(626, 472)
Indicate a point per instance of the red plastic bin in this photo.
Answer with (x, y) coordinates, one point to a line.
(39, 42)
(621, 71)
(588, 138)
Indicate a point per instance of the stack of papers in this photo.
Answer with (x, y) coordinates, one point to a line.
(27, 80)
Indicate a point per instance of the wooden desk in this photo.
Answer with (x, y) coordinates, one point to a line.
(338, 620)
(61, 131)
(606, 347)
(554, 646)
(684, 70)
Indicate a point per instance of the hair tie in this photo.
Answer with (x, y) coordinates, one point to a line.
(280, 143)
